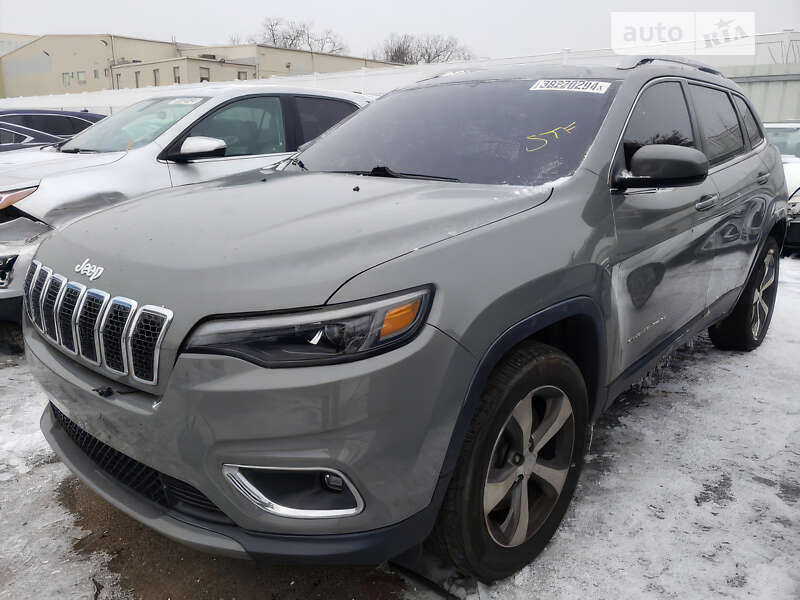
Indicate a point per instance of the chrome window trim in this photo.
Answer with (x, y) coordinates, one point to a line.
(35, 265)
(45, 285)
(74, 319)
(121, 300)
(158, 310)
(241, 484)
(56, 304)
(96, 330)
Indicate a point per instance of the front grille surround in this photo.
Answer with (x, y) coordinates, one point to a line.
(66, 310)
(87, 324)
(147, 311)
(30, 277)
(115, 334)
(37, 291)
(50, 299)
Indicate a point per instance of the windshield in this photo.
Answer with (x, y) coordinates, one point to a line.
(787, 139)
(135, 126)
(518, 132)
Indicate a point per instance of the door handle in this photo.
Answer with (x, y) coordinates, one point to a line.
(762, 178)
(706, 202)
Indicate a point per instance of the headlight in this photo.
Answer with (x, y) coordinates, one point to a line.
(14, 196)
(794, 204)
(329, 335)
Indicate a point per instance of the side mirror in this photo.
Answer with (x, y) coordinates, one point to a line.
(198, 147)
(663, 165)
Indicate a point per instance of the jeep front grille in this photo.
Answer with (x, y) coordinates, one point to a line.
(113, 333)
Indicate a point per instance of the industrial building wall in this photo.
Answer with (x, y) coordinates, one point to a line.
(72, 63)
(189, 70)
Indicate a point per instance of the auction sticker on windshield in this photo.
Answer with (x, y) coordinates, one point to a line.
(572, 85)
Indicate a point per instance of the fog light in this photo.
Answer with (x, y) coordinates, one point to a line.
(297, 493)
(6, 268)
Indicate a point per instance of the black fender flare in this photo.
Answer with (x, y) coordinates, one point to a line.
(580, 305)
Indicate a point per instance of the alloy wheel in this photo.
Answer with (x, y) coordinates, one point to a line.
(529, 466)
(760, 306)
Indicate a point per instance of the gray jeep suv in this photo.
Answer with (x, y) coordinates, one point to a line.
(408, 328)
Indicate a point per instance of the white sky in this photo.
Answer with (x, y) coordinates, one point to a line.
(490, 29)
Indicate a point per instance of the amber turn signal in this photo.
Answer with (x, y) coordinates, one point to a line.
(399, 319)
(9, 198)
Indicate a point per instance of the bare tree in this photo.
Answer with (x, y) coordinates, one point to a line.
(436, 48)
(410, 49)
(298, 35)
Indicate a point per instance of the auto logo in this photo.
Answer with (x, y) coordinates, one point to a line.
(91, 271)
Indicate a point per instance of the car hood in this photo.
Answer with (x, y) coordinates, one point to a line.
(26, 168)
(286, 241)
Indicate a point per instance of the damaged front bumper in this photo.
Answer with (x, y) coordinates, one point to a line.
(15, 257)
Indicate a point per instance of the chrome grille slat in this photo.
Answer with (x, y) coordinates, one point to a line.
(114, 334)
(144, 342)
(67, 308)
(42, 275)
(87, 324)
(113, 329)
(30, 276)
(50, 300)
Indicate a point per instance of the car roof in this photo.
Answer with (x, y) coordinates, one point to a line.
(635, 68)
(233, 90)
(39, 111)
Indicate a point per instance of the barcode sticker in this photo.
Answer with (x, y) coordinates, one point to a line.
(572, 85)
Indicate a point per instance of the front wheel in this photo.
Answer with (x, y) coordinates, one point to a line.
(746, 327)
(519, 464)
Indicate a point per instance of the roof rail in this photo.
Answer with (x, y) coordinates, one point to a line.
(631, 62)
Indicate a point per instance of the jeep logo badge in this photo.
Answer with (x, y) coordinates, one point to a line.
(91, 271)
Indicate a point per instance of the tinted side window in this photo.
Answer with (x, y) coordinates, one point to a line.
(52, 124)
(251, 126)
(722, 137)
(317, 115)
(661, 116)
(15, 120)
(750, 122)
(78, 125)
(9, 137)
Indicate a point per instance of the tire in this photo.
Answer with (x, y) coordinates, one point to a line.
(493, 544)
(11, 338)
(746, 327)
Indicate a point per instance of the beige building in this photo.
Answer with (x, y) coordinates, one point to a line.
(58, 64)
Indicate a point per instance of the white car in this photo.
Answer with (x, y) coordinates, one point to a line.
(786, 136)
(174, 138)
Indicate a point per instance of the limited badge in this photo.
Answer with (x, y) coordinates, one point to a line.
(591, 86)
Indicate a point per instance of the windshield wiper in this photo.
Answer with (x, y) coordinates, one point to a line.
(383, 171)
(77, 151)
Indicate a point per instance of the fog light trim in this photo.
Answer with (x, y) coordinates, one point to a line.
(241, 484)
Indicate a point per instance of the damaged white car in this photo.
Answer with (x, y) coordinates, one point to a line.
(207, 132)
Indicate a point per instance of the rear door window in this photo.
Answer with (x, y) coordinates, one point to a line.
(10, 137)
(317, 115)
(248, 127)
(722, 136)
(661, 116)
(752, 129)
(52, 124)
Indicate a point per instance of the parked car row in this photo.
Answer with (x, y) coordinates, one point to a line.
(786, 137)
(29, 128)
(405, 329)
(158, 143)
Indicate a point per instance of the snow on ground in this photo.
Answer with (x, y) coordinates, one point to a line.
(36, 533)
(691, 489)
